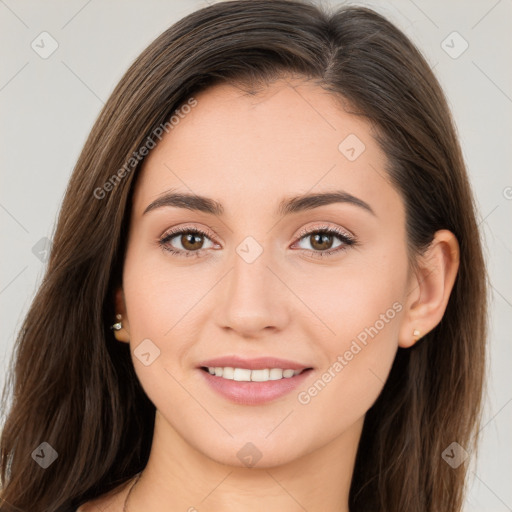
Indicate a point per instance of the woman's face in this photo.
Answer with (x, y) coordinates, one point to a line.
(260, 283)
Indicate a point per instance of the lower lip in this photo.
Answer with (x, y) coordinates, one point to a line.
(254, 393)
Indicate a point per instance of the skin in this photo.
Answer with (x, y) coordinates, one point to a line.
(248, 152)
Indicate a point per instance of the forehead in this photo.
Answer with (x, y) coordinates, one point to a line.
(252, 149)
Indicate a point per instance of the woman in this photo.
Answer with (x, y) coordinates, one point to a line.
(266, 289)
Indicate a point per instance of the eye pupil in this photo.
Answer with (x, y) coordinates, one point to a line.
(187, 241)
(319, 239)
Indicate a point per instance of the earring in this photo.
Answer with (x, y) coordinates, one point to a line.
(117, 326)
(416, 333)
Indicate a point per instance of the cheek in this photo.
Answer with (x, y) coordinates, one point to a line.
(362, 308)
(158, 293)
(156, 301)
(358, 298)
(356, 368)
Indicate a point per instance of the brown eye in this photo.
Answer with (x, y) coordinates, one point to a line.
(191, 241)
(185, 242)
(321, 241)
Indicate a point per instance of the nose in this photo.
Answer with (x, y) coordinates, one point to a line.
(254, 300)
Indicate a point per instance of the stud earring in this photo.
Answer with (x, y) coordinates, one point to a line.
(416, 333)
(117, 326)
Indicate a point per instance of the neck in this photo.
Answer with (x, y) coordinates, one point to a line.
(179, 477)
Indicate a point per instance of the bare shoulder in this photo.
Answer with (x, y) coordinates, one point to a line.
(109, 502)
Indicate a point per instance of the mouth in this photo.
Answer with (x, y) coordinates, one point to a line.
(244, 386)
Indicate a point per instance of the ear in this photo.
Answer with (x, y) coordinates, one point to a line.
(430, 288)
(122, 334)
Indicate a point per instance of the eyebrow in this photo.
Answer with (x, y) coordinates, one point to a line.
(287, 206)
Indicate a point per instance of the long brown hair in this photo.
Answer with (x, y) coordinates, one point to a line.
(74, 387)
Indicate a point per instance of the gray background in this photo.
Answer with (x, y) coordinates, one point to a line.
(48, 107)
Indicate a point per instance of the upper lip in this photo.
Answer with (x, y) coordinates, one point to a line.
(258, 363)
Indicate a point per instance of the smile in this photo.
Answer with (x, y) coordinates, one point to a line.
(253, 387)
(246, 375)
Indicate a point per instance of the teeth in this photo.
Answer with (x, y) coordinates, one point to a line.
(241, 374)
(260, 375)
(227, 373)
(244, 375)
(275, 374)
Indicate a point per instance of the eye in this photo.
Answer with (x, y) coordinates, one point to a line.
(321, 241)
(185, 241)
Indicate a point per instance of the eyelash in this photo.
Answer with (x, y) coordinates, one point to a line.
(346, 239)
